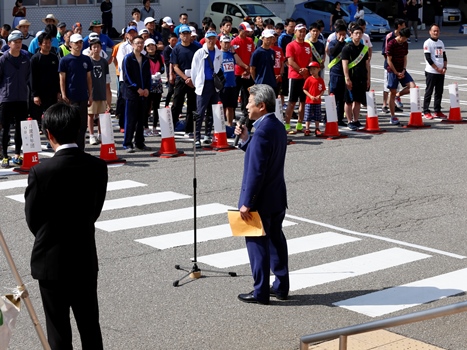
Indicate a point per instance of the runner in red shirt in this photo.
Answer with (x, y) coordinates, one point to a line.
(299, 55)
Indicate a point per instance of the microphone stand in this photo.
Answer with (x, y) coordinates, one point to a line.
(195, 272)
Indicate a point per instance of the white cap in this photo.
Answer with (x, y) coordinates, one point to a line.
(143, 31)
(149, 20)
(300, 26)
(268, 33)
(193, 31)
(245, 26)
(149, 41)
(75, 38)
(168, 20)
(225, 39)
(39, 33)
(93, 36)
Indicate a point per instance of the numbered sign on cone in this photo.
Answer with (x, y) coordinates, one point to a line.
(108, 149)
(31, 145)
(168, 149)
(220, 136)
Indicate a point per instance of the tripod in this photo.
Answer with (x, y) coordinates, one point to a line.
(195, 272)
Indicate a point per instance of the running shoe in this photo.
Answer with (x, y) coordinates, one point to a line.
(395, 121)
(398, 102)
(441, 115)
(428, 116)
(17, 161)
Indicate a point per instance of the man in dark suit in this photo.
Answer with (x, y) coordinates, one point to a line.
(64, 198)
(263, 189)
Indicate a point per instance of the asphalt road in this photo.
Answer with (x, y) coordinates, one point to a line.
(366, 213)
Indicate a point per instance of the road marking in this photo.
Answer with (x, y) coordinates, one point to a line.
(294, 246)
(353, 267)
(144, 199)
(411, 245)
(111, 186)
(162, 217)
(408, 295)
(178, 239)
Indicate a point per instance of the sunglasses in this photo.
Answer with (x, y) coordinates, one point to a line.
(96, 22)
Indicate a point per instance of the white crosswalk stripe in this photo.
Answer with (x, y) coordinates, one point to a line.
(372, 304)
(294, 246)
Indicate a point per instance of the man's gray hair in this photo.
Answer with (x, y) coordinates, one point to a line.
(264, 93)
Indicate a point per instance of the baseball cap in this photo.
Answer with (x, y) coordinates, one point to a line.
(93, 36)
(75, 38)
(268, 33)
(76, 25)
(168, 20)
(15, 35)
(300, 26)
(314, 64)
(193, 31)
(149, 41)
(245, 26)
(39, 32)
(149, 20)
(128, 29)
(143, 31)
(184, 29)
(61, 25)
(225, 39)
(210, 34)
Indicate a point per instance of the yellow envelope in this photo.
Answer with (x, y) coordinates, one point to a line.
(250, 228)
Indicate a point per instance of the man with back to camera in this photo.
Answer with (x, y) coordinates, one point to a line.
(264, 190)
(64, 255)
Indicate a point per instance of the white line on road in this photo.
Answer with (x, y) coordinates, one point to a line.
(357, 266)
(178, 239)
(294, 246)
(416, 246)
(144, 199)
(408, 295)
(162, 217)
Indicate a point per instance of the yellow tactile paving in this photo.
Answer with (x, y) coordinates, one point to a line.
(378, 340)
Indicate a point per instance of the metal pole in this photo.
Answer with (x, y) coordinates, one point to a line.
(343, 342)
(23, 292)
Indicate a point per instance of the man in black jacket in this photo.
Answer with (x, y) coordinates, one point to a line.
(64, 256)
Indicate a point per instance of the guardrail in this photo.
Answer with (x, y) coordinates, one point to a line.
(343, 333)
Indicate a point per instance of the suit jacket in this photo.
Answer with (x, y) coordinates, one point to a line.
(263, 184)
(64, 198)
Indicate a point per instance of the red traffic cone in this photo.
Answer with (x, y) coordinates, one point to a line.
(454, 116)
(331, 130)
(372, 122)
(219, 143)
(29, 160)
(168, 149)
(416, 121)
(372, 125)
(109, 154)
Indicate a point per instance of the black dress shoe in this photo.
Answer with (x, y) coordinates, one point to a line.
(274, 294)
(249, 298)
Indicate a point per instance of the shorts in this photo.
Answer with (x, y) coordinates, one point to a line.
(229, 97)
(313, 112)
(385, 81)
(393, 80)
(296, 90)
(97, 107)
(358, 93)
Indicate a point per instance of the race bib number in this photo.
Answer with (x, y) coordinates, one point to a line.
(228, 67)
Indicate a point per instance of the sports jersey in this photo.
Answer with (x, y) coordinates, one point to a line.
(278, 59)
(228, 67)
(301, 53)
(436, 50)
(244, 50)
(314, 86)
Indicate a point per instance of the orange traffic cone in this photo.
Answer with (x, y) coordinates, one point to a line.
(372, 122)
(109, 154)
(219, 143)
(415, 120)
(168, 149)
(29, 160)
(331, 130)
(454, 116)
(455, 110)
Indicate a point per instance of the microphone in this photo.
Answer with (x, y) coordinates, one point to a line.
(240, 123)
